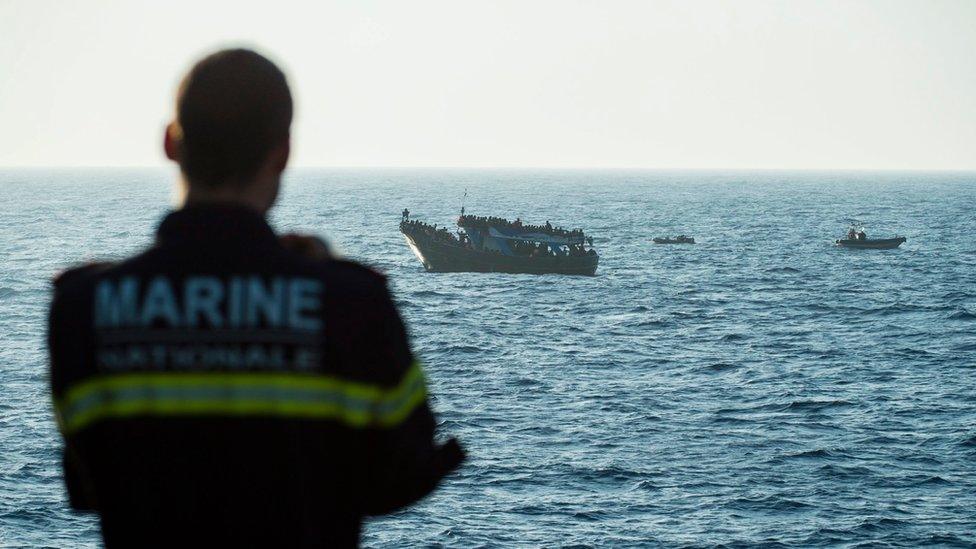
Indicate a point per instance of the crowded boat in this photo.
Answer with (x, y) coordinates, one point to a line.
(495, 244)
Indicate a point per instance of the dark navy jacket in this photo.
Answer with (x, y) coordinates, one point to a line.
(221, 390)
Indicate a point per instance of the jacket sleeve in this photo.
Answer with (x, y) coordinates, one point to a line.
(402, 461)
(67, 365)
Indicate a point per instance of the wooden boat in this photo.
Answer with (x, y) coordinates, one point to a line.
(495, 245)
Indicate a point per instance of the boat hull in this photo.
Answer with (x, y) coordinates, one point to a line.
(876, 244)
(443, 257)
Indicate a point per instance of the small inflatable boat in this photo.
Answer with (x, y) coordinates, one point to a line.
(676, 240)
(871, 243)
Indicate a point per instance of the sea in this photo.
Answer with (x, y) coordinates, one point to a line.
(761, 388)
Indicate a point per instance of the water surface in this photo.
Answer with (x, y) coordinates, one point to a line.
(760, 387)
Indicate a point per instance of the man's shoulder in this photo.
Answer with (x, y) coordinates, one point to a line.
(87, 274)
(354, 276)
(79, 275)
(318, 255)
(355, 269)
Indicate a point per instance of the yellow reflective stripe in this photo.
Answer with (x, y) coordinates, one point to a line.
(241, 394)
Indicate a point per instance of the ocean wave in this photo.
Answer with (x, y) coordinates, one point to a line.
(882, 524)
(427, 293)
(769, 503)
(820, 453)
(933, 480)
(721, 367)
(811, 405)
(962, 314)
(895, 309)
(653, 323)
(816, 405)
(957, 295)
(844, 471)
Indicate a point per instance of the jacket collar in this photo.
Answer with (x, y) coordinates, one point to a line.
(222, 223)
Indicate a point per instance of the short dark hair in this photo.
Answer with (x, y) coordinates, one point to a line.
(232, 109)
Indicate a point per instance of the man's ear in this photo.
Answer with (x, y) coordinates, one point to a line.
(171, 141)
(279, 159)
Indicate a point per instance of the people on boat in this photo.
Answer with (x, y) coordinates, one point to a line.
(523, 248)
(577, 250)
(855, 233)
(433, 231)
(484, 222)
(680, 239)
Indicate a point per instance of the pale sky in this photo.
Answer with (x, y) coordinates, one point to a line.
(600, 83)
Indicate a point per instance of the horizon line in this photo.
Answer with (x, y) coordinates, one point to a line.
(491, 167)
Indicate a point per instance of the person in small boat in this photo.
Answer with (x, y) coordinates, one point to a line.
(851, 234)
(862, 236)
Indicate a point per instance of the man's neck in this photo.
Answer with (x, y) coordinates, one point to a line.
(230, 195)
